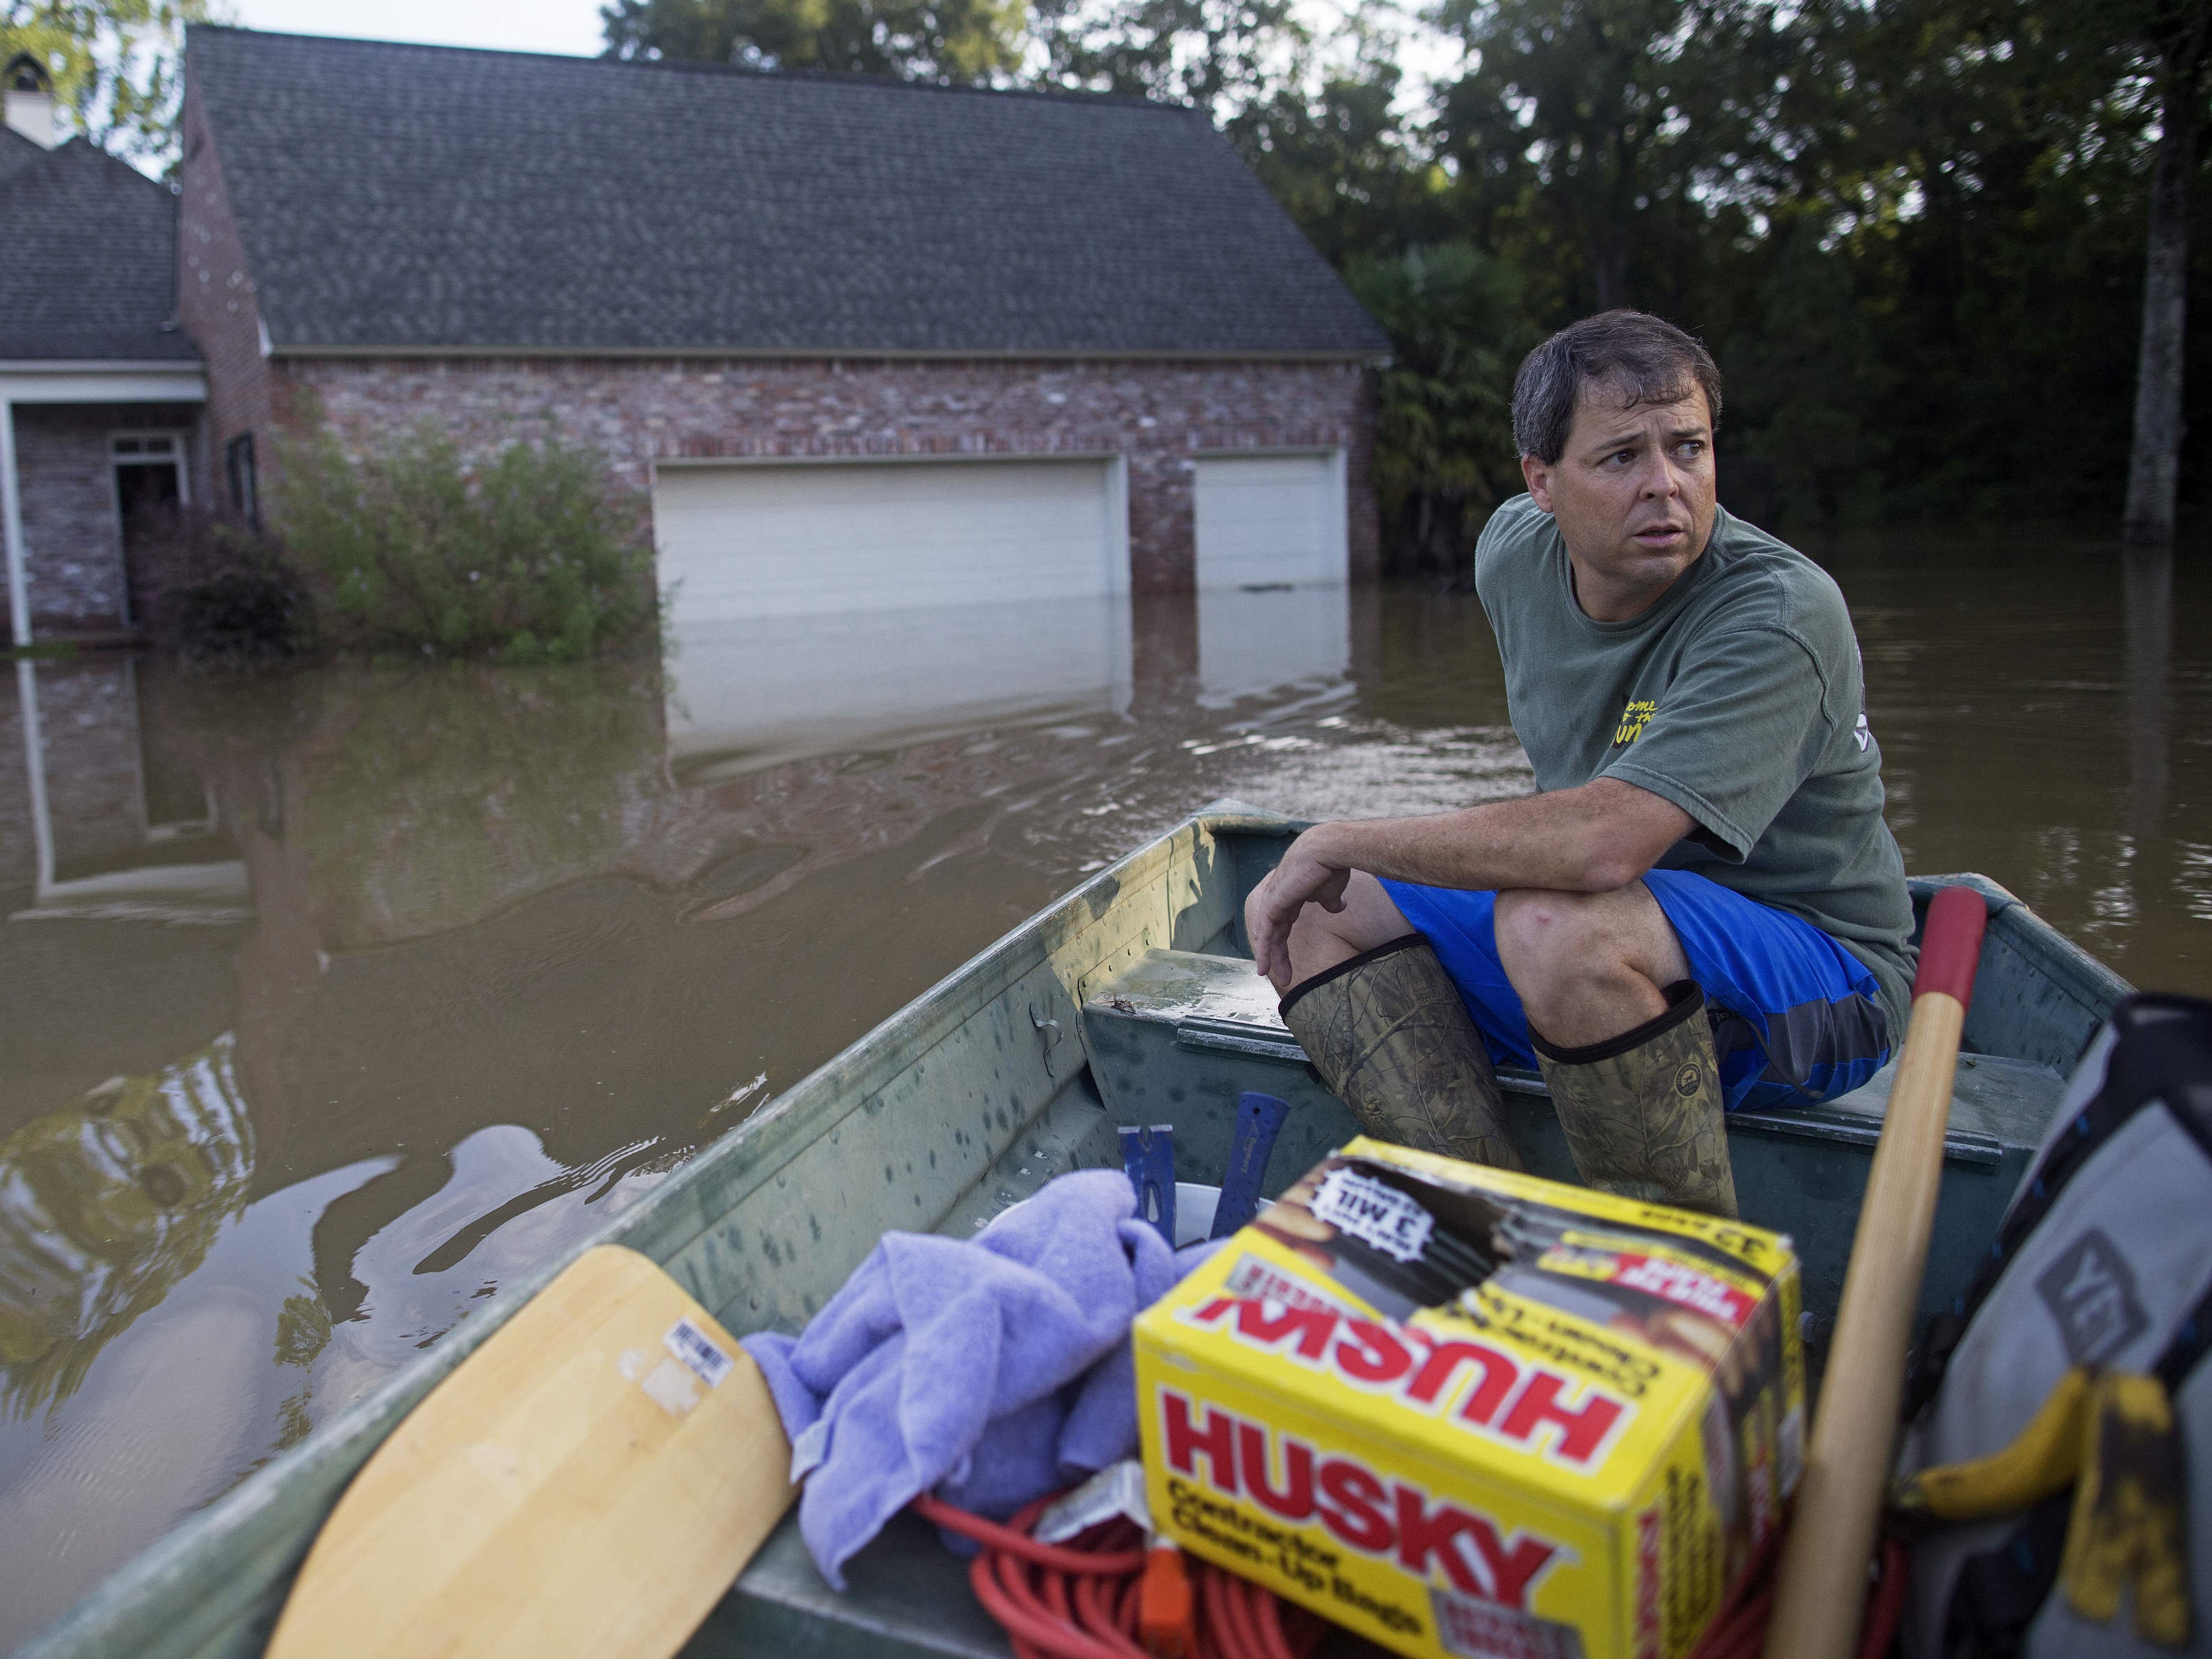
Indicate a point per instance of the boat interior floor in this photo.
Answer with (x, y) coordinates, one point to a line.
(1174, 1039)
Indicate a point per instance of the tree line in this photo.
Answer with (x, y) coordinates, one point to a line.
(1913, 231)
(1940, 248)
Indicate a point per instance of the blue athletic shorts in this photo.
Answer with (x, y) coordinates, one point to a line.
(1797, 1018)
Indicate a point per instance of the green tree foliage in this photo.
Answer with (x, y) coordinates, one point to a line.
(1912, 231)
(1603, 132)
(944, 40)
(1336, 154)
(1220, 56)
(530, 557)
(1977, 181)
(1445, 453)
(117, 65)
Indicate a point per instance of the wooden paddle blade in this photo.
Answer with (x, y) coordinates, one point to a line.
(589, 1483)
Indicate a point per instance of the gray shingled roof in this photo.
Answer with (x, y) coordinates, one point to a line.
(87, 260)
(424, 197)
(17, 151)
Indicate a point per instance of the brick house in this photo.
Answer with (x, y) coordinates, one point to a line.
(101, 393)
(849, 342)
(854, 340)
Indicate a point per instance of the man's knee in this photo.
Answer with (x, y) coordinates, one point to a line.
(1557, 937)
(1544, 929)
(1322, 938)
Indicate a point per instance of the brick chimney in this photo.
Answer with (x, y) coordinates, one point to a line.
(31, 108)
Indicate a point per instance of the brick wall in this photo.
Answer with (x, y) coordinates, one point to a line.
(216, 303)
(72, 543)
(1158, 414)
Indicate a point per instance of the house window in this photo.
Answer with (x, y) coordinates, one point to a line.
(149, 472)
(237, 463)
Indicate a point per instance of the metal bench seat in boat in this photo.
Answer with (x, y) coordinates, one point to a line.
(1179, 1034)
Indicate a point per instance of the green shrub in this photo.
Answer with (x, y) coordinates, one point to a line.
(532, 557)
(213, 587)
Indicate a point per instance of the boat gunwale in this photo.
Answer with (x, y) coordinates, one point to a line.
(144, 1608)
(197, 1591)
(924, 1022)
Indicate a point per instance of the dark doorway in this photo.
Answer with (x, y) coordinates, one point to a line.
(147, 492)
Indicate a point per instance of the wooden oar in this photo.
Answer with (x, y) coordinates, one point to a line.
(1822, 1587)
(587, 1483)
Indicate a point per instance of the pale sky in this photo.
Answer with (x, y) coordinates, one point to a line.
(573, 27)
(562, 26)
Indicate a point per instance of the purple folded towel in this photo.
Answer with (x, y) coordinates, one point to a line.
(989, 1370)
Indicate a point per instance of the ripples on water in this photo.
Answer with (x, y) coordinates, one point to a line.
(332, 1000)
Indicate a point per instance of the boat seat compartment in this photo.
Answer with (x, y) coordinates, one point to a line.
(1178, 1035)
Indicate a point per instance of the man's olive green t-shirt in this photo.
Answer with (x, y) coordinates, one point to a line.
(1739, 697)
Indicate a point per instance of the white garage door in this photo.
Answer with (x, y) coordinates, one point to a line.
(784, 541)
(1266, 519)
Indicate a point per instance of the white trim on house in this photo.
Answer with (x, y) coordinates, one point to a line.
(11, 532)
(87, 382)
(103, 383)
(178, 455)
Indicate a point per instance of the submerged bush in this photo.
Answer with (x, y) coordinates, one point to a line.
(532, 557)
(215, 586)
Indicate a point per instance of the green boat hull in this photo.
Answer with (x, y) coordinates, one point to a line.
(1121, 1002)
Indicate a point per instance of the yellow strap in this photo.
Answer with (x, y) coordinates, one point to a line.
(2043, 1459)
(2110, 1436)
(2127, 1531)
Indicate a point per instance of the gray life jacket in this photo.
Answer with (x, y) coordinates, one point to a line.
(2104, 1259)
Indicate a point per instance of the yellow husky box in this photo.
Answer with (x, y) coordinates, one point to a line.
(1467, 1412)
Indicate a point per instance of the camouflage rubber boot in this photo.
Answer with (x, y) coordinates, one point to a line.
(1390, 1038)
(1643, 1112)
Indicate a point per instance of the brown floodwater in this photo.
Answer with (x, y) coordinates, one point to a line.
(329, 1000)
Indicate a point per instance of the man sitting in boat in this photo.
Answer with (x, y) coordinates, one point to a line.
(1702, 908)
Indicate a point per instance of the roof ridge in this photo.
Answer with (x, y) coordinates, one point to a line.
(405, 197)
(696, 66)
(65, 154)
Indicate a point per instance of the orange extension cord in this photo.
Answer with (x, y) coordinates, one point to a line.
(1740, 1631)
(1082, 1600)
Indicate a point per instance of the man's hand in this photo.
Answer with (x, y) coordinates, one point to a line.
(1303, 878)
(1592, 839)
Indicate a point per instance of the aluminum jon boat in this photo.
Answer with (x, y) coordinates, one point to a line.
(1133, 999)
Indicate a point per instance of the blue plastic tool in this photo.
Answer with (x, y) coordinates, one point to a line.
(1148, 1155)
(1259, 1119)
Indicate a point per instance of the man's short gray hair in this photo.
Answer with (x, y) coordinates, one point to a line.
(1643, 359)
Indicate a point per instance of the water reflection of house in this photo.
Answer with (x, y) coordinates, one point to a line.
(104, 1207)
(121, 894)
(746, 693)
(100, 389)
(120, 827)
